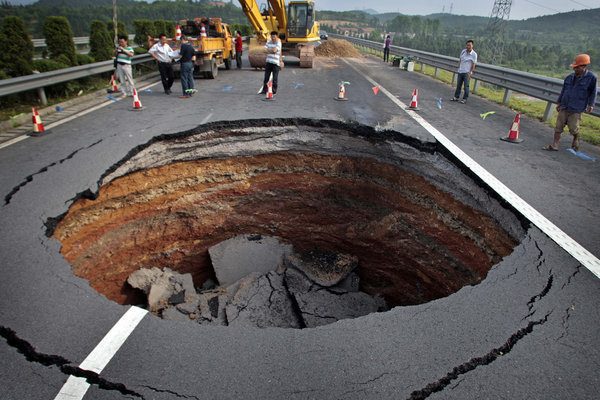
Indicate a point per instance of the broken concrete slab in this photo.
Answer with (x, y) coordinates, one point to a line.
(322, 307)
(323, 267)
(235, 258)
(172, 314)
(262, 301)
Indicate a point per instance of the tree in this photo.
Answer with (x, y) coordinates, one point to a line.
(16, 49)
(59, 39)
(101, 44)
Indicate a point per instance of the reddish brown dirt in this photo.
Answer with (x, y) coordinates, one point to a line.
(415, 243)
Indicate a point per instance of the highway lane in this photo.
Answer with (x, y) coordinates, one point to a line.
(387, 355)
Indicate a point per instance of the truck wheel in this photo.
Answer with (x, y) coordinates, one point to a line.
(214, 70)
(227, 63)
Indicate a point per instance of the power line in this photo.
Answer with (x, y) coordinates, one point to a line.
(581, 4)
(543, 6)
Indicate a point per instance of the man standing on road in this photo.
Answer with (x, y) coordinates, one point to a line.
(162, 52)
(578, 95)
(466, 65)
(273, 50)
(386, 49)
(238, 49)
(188, 56)
(124, 54)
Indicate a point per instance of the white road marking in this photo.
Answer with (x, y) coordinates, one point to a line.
(75, 388)
(567, 243)
(205, 120)
(72, 117)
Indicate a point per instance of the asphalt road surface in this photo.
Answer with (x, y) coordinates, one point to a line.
(528, 331)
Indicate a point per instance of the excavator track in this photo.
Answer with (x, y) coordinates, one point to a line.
(307, 56)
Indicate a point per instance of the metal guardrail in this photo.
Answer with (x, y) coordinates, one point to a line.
(538, 86)
(41, 80)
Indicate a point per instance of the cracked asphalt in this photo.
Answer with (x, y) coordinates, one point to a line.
(529, 330)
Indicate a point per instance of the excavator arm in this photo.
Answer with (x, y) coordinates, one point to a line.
(278, 7)
(252, 11)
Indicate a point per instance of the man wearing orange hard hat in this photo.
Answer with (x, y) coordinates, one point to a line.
(578, 95)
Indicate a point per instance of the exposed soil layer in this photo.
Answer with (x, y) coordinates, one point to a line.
(171, 200)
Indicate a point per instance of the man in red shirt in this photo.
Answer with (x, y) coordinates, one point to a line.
(238, 49)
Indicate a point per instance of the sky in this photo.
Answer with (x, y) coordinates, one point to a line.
(520, 9)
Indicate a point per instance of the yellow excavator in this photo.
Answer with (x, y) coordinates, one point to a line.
(296, 26)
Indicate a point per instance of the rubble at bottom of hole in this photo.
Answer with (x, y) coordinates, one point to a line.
(295, 295)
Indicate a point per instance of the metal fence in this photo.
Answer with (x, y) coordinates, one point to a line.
(538, 86)
(41, 80)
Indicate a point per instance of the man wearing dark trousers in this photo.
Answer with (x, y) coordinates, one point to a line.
(238, 49)
(273, 50)
(163, 54)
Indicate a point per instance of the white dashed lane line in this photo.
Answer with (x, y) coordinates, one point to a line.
(576, 250)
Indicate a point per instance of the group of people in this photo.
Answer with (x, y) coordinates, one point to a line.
(578, 94)
(186, 55)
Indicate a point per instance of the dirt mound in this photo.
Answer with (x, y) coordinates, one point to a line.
(336, 48)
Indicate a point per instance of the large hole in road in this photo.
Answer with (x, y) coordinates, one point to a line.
(402, 218)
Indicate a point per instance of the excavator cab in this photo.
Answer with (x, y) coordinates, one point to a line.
(301, 18)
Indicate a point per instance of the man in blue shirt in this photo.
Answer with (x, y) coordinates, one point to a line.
(577, 96)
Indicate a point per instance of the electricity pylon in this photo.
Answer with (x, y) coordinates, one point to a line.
(497, 29)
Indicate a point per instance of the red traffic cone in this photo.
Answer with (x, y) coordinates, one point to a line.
(342, 91)
(413, 102)
(376, 90)
(178, 33)
(513, 135)
(269, 91)
(113, 85)
(137, 104)
(38, 127)
(202, 31)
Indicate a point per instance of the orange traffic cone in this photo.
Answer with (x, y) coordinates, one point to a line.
(178, 33)
(513, 135)
(113, 85)
(38, 127)
(202, 31)
(413, 102)
(342, 91)
(137, 104)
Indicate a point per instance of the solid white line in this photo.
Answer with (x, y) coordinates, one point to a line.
(72, 117)
(567, 243)
(75, 388)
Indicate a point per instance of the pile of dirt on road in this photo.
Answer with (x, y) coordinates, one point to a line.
(337, 48)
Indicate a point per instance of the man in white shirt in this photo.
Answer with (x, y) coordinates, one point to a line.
(466, 65)
(273, 50)
(163, 54)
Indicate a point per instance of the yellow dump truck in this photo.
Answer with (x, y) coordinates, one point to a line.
(212, 41)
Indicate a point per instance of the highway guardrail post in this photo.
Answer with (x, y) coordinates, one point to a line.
(41, 92)
(549, 111)
(507, 94)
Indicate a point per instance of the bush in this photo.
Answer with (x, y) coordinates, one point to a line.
(143, 29)
(121, 30)
(139, 50)
(48, 65)
(59, 39)
(160, 27)
(83, 59)
(16, 49)
(101, 44)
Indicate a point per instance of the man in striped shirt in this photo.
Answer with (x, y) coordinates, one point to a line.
(273, 50)
(124, 54)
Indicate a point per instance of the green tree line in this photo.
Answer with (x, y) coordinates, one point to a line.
(80, 14)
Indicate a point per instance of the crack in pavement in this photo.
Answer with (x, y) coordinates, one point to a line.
(181, 396)
(543, 293)
(477, 361)
(64, 365)
(29, 178)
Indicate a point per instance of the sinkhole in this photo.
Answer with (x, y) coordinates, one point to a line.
(401, 217)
